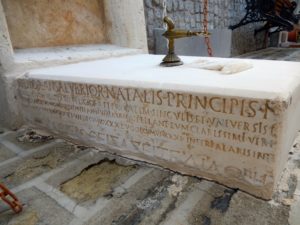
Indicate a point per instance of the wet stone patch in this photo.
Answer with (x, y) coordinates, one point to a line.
(212, 207)
(236, 208)
(222, 203)
(124, 208)
(146, 206)
(96, 181)
(244, 209)
(161, 200)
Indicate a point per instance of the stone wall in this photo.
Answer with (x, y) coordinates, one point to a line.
(34, 23)
(124, 31)
(187, 14)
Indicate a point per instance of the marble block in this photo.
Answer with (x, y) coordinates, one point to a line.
(199, 119)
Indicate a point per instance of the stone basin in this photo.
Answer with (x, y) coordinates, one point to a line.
(228, 120)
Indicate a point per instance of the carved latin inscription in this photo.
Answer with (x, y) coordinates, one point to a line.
(228, 137)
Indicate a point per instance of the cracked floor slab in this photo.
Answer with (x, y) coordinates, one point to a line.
(96, 181)
(25, 169)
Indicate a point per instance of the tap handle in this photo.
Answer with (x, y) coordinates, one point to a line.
(169, 22)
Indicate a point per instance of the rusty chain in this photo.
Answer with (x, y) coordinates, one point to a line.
(164, 4)
(205, 28)
(11, 199)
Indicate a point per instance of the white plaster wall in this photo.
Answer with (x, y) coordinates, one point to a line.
(126, 23)
(6, 50)
(8, 115)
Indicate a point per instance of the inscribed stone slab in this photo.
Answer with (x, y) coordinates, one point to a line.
(235, 129)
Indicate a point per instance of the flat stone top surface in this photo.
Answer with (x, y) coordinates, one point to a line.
(267, 79)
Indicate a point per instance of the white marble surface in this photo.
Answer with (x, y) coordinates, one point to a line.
(236, 129)
(267, 79)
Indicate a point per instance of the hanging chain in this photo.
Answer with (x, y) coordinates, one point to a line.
(205, 28)
(9, 198)
(164, 4)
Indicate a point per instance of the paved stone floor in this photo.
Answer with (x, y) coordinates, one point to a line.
(285, 54)
(62, 183)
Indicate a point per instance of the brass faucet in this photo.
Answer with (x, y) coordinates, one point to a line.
(171, 59)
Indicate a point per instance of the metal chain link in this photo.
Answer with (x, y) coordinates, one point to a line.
(9, 198)
(205, 28)
(164, 14)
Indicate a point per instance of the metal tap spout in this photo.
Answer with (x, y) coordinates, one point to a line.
(179, 33)
(171, 34)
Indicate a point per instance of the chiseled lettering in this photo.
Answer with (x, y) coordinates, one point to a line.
(170, 96)
(202, 101)
(215, 106)
(233, 103)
